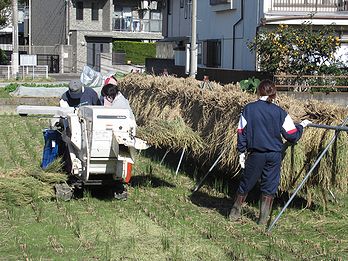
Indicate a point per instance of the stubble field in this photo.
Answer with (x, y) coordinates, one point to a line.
(159, 221)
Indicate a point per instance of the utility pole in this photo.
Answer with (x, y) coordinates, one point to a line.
(29, 29)
(193, 50)
(14, 57)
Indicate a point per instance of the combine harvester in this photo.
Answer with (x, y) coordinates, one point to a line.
(100, 144)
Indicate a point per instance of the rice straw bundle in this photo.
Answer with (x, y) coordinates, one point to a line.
(174, 134)
(23, 190)
(214, 114)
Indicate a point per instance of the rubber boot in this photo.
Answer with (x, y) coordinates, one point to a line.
(265, 209)
(237, 207)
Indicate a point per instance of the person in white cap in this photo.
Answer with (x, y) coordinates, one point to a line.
(78, 95)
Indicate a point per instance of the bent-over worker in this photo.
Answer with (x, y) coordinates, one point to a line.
(78, 95)
(112, 97)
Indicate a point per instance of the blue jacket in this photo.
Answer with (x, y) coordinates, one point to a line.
(87, 97)
(262, 126)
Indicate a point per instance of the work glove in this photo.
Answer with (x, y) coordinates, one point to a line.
(305, 123)
(242, 160)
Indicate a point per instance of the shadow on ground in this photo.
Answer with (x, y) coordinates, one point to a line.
(149, 181)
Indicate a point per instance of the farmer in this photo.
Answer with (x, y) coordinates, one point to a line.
(108, 93)
(261, 127)
(109, 90)
(78, 95)
(110, 80)
(112, 97)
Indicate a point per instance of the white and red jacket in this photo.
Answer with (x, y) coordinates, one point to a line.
(262, 126)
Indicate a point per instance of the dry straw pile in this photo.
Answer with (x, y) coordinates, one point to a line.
(176, 113)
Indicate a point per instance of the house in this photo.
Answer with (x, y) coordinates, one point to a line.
(224, 27)
(69, 34)
(94, 25)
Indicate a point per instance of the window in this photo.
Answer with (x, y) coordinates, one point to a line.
(187, 9)
(212, 53)
(79, 10)
(95, 12)
(218, 2)
(199, 53)
(169, 7)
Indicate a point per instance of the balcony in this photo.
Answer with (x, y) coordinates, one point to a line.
(131, 24)
(315, 6)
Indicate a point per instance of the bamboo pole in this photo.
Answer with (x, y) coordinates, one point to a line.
(307, 176)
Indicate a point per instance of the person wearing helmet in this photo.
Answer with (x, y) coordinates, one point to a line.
(261, 127)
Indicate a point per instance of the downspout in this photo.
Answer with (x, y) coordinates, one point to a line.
(67, 21)
(29, 28)
(258, 25)
(234, 31)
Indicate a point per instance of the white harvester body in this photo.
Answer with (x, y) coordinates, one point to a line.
(100, 140)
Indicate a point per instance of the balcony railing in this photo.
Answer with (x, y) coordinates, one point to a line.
(327, 6)
(131, 24)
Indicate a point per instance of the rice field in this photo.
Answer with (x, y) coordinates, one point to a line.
(161, 220)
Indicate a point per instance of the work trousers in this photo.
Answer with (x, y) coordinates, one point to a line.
(264, 166)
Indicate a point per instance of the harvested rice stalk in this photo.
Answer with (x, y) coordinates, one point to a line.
(21, 191)
(174, 134)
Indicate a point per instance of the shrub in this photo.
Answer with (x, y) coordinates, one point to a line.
(299, 51)
(3, 57)
(249, 85)
(136, 52)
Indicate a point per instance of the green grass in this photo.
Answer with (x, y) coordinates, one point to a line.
(159, 221)
(4, 93)
(29, 80)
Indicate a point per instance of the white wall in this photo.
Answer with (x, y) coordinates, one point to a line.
(220, 25)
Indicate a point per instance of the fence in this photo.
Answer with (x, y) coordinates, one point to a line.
(326, 6)
(158, 66)
(329, 83)
(38, 71)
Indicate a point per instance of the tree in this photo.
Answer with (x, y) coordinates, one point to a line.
(299, 51)
(5, 6)
(3, 57)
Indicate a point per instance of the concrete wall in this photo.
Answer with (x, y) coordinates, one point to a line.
(165, 50)
(80, 28)
(81, 51)
(87, 23)
(107, 12)
(73, 42)
(224, 76)
(340, 98)
(48, 22)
